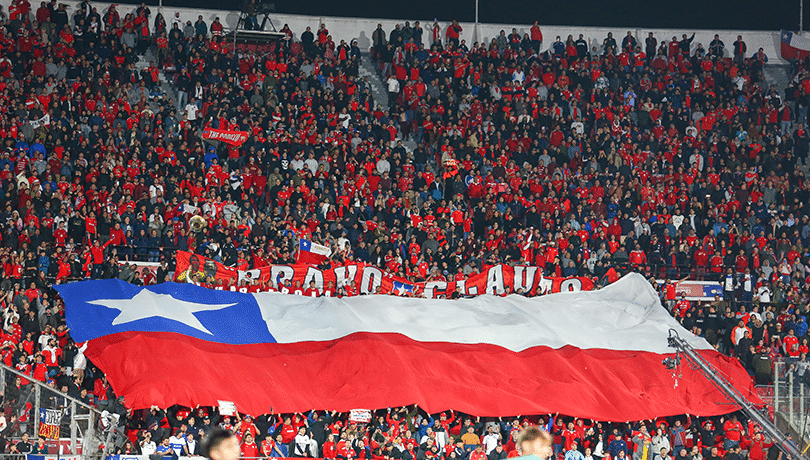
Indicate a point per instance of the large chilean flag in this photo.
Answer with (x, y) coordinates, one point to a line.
(588, 354)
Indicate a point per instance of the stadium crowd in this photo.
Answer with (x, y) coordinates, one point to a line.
(664, 157)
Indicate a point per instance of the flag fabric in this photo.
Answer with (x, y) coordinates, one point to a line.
(44, 120)
(227, 408)
(595, 354)
(401, 288)
(49, 422)
(312, 253)
(22, 179)
(612, 276)
(234, 138)
(794, 46)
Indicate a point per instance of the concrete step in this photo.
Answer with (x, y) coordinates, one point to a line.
(778, 75)
(378, 89)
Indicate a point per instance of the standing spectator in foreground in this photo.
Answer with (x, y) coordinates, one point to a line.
(733, 433)
(537, 37)
(739, 50)
(453, 34)
(717, 47)
(651, 44)
(629, 42)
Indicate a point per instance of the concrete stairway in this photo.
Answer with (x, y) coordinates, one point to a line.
(166, 84)
(368, 68)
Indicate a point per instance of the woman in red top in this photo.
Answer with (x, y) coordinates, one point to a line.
(249, 448)
(329, 447)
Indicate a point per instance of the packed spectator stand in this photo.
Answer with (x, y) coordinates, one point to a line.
(663, 157)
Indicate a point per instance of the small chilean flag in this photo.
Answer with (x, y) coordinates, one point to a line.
(312, 253)
(794, 45)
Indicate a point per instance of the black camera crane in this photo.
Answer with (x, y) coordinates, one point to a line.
(719, 380)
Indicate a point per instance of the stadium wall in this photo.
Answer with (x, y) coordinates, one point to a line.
(361, 28)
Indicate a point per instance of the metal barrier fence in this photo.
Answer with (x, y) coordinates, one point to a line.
(70, 425)
(791, 395)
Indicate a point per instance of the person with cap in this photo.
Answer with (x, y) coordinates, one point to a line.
(574, 453)
(245, 426)
(226, 423)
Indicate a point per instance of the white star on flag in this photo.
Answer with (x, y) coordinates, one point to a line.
(147, 304)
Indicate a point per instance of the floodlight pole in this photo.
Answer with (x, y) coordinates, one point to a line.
(475, 29)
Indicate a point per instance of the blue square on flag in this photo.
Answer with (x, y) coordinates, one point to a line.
(794, 46)
(400, 288)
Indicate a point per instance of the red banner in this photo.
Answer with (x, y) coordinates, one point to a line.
(368, 279)
(234, 138)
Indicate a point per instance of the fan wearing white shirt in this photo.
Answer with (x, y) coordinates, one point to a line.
(148, 447)
(191, 110)
(177, 442)
(491, 440)
(190, 448)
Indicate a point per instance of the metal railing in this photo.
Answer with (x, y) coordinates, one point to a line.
(780, 438)
(791, 397)
(90, 431)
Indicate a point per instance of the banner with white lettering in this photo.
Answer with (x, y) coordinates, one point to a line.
(359, 278)
(227, 408)
(43, 121)
(360, 416)
(234, 138)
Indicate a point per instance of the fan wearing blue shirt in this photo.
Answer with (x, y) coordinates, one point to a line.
(165, 449)
(574, 454)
